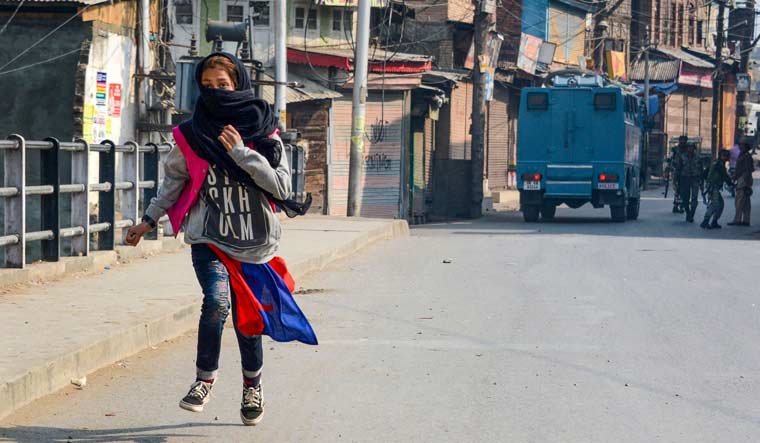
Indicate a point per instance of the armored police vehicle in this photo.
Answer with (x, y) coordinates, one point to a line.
(579, 141)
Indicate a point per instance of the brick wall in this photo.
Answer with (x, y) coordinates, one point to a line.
(509, 24)
(434, 39)
(442, 10)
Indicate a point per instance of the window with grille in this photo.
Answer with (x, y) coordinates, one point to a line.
(337, 20)
(260, 12)
(234, 13)
(300, 18)
(183, 12)
(700, 24)
(342, 19)
(348, 20)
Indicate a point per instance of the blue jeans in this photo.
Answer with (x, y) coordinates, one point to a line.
(215, 283)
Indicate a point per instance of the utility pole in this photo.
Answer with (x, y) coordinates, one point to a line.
(647, 120)
(717, 78)
(482, 26)
(359, 111)
(280, 60)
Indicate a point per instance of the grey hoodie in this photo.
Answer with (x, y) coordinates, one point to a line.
(238, 220)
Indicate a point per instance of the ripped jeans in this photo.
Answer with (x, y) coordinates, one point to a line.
(217, 296)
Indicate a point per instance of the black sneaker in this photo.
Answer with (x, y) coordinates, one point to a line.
(705, 225)
(252, 406)
(715, 226)
(197, 397)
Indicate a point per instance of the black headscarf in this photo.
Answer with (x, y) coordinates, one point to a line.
(252, 117)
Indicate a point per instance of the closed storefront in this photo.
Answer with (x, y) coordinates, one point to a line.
(497, 140)
(386, 135)
(688, 111)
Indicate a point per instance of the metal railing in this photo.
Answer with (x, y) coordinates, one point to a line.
(14, 193)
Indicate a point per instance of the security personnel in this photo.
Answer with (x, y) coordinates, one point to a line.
(716, 178)
(675, 170)
(690, 167)
(743, 177)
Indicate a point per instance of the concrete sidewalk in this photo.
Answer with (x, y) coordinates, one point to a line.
(53, 333)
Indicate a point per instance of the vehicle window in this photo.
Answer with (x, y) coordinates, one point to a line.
(538, 101)
(604, 101)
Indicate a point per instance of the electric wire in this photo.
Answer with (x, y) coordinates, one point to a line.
(12, 16)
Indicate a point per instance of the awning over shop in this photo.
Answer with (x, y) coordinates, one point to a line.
(309, 90)
(674, 65)
(686, 57)
(660, 69)
(654, 88)
(441, 78)
(389, 82)
(379, 60)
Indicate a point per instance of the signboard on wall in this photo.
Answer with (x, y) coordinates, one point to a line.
(615, 64)
(114, 99)
(692, 76)
(530, 46)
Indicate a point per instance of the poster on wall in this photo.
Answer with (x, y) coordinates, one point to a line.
(100, 89)
(89, 113)
(114, 100)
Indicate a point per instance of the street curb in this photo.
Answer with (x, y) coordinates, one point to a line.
(58, 373)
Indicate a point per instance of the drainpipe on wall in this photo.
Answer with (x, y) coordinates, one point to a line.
(143, 89)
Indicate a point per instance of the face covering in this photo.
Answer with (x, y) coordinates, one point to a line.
(252, 117)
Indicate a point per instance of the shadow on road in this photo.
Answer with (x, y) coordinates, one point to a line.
(147, 434)
(655, 221)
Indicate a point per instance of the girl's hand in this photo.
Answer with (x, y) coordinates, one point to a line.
(135, 233)
(230, 138)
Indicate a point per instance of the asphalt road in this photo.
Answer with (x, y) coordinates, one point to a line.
(575, 330)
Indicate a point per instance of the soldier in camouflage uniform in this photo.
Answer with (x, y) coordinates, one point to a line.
(690, 170)
(715, 180)
(675, 174)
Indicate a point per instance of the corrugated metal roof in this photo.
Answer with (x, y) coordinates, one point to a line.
(375, 54)
(660, 69)
(310, 90)
(438, 77)
(687, 58)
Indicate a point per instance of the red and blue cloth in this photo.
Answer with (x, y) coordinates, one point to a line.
(264, 303)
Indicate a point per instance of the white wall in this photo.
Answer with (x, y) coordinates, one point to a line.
(115, 56)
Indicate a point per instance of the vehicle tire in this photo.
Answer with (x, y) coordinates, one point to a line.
(633, 208)
(531, 213)
(548, 210)
(617, 213)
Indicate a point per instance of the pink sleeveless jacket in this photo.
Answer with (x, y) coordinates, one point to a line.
(197, 168)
